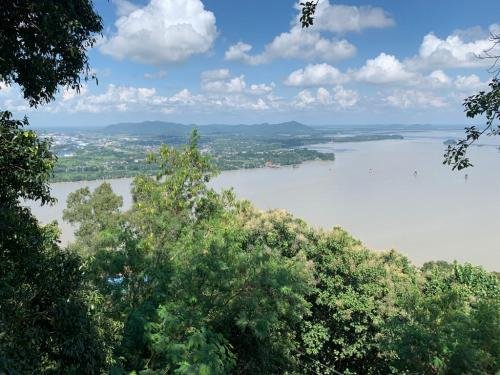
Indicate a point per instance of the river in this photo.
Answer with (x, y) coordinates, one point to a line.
(372, 191)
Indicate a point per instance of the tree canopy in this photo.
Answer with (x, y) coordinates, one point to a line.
(196, 281)
(43, 45)
(47, 323)
(193, 281)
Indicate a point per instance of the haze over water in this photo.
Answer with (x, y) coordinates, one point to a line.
(371, 191)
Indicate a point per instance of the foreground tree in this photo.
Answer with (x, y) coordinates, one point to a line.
(192, 292)
(487, 104)
(43, 45)
(46, 320)
(451, 326)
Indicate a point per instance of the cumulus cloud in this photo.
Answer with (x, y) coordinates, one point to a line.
(316, 75)
(4, 88)
(415, 99)
(294, 44)
(458, 50)
(338, 98)
(438, 78)
(161, 31)
(383, 69)
(345, 18)
(115, 98)
(217, 74)
(310, 44)
(160, 74)
(124, 7)
(344, 97)
(470, 82)
(69, 93)
(236, 84)
(261, 88)
(221, 81)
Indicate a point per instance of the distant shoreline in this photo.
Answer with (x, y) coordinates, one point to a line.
(277, 158)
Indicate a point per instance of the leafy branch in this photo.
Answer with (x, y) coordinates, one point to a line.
(484, 103)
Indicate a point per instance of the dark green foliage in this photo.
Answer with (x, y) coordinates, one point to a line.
(452, 326)
(199, 283)
(45, 325)
(25, 162)
(45, 321)
(485, 104)
(356, 292)
(192, 292)
(43, 44)
(308, 10)
(48, 323)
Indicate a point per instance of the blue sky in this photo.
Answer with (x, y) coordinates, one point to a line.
(221, 61)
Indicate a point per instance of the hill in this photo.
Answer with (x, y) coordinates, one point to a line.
(171, 129)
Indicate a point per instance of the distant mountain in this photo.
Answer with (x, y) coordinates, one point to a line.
(171, 129)
(149, 128)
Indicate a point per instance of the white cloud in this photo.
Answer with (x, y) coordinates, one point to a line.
(211, 75)
(338, 98)
(115, 98)
(309, 44)
(297, 43)
(261, 88)
(344, 97)
(438, 78)
(323, 96)
(236, 84)
(458, 50)
(221, 81)
(160, 74)
(161, 32)
(316, 75)
(415, 99)
(470, 82)
(133, 99)
(4, 88)
(70, 93)
(344, 18)
(304, 98)
(383, 69)
(124, 7)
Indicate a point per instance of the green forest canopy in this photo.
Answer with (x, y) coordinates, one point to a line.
(191, 281)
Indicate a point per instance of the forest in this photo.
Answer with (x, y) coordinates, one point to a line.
(194, 281)
(191, 281)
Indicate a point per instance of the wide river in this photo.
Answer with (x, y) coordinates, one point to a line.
(372, 191)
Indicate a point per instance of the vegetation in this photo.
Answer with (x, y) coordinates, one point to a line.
(47, 324)
(198, 282)
(44, 45)
(121, 150)
(190, 281)
(485, 104)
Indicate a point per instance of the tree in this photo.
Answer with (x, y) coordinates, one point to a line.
(485, 104)
(43, 45)
(46, 321)
(193, 292)
(452, 326)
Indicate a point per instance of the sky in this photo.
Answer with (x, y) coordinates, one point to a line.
(226, 61)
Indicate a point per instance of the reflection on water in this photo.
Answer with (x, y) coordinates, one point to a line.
(372, 192)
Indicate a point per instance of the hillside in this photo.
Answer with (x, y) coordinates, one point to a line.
(170, 129)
